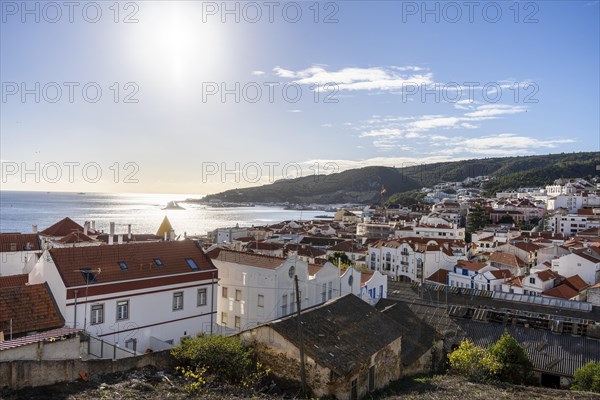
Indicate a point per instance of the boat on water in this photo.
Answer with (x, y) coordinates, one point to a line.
(172, 205)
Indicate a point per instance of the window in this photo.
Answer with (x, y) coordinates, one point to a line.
(122, 309)
(122, 265)
(88, 276)
(324, 293)
(238, 295)
(224, 292)
(238, 322)
(292, 302)
(201, 297)
(354, 390)
(192, 264)
(158, 262)
(261, 300)
(532, 281)
(224, 318)
(177, 301)
(284, 304)
(330, 290)
(97, 316)
(371, 378)
(131, 344)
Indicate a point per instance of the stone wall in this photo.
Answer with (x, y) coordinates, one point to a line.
(22, 373)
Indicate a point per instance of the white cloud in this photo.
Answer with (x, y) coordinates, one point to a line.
(326, 125)
(376, 78)
(258, 73)
(494, 110)
(295, 111)
(501, 144)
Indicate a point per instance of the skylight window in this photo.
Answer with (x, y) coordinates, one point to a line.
(122, 265)
(192, 264)
(88, 276)
(158, 262)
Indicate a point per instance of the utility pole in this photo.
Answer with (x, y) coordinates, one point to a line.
(302, 369)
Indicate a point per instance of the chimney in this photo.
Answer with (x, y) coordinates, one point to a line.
(129, 231)
(120, 239)
(111, 233)
(172, 234)
(165, 238)
(93, 225)
(86, 227)
(34, 228)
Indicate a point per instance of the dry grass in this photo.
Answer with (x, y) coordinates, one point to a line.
(152, 384)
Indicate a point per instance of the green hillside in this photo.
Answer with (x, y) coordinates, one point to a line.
(364, 185)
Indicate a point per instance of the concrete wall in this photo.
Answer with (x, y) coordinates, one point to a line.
(23, 373)
(60, 350)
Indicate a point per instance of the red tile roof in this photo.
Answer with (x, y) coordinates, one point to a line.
(561, 291)
(13, 280)
(470, 265)
(76, 237)
(501, 274)
(547, 275)
(62, 228)
(575, 282)
(506, 259)
(439, 276)
(250, 259)
(10, 242)
(30, 307)
(138, 257)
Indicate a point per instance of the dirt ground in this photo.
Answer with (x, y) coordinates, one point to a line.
(150, 383)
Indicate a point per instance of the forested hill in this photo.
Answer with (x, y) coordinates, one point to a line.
(364, 185)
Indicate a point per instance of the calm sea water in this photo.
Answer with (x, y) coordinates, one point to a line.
(20, 210)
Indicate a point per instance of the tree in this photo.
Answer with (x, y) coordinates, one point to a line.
(345, 260)
(515, 365)
(587, 377)
(476, 220)
(473, 362)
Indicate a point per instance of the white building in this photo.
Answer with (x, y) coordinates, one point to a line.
(571, 224)
(17, 252)
(474, 275)
(415, 258)
(140, 296)
(228, 235)
(585, 263)
(254, 288)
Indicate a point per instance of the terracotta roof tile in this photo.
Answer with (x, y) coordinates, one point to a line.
(31, 308)
(76, 237)
(575, 282)
(13, 280)
(62, 228)
(470, 265)
(506, 259)
(251, 259)
(561, 291)
(139, 259)
(10, 242)
(439, 276)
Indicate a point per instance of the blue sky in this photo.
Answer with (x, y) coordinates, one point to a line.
(358, 83)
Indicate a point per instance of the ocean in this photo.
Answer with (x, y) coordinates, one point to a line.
(20, 210)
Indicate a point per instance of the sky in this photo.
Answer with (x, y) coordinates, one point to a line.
(199, 97)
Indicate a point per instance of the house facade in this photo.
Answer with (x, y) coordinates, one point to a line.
(335, 365)
(139, 296)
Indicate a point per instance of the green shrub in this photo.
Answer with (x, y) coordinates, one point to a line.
(587, 377)
(224, 358)
(504, 361)
(515, 366)
(473, 362)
